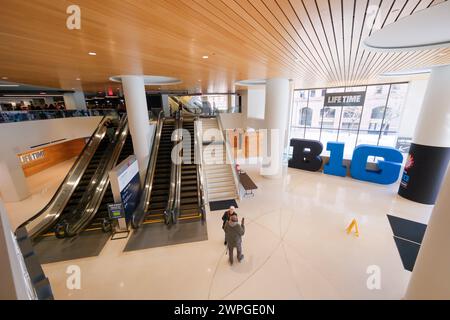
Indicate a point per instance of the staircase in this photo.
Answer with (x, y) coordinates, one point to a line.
(219, 174)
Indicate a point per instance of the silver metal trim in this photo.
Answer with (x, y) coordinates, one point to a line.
(141, 211)
(52, 211)
(93, 196)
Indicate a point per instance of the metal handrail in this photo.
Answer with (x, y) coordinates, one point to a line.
(229, 156)
(45, 218)
(141, 211)
(200, 177)
(177, 166)
(91, 200)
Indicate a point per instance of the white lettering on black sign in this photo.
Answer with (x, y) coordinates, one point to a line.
(345, 99)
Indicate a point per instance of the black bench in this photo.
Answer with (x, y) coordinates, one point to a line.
(248, 184)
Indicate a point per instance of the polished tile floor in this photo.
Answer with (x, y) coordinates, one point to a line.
(295, 247)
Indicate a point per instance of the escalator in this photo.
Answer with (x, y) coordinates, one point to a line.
(86, 178)
(76, 182)
(99, 221)
(189, 199)
(157, 207)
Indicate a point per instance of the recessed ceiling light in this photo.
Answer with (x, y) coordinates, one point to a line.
(92, 53)
(8, 85)
(78, 79)
(43, 93)
(205, 57)
(5, 78)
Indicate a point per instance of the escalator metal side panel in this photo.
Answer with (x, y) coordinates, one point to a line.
(173, 204)
(94, 194)
(139, 214)
(176, 197)
(198, 151)
(51, 212)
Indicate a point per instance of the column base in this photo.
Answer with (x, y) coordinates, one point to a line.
(423, 174)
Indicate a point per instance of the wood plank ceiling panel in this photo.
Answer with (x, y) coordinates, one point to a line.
(314, 42)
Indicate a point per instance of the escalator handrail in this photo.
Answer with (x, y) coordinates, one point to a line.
(89, 204)
(46, 217)
(140, 213)
(198, 149)
(176, 185)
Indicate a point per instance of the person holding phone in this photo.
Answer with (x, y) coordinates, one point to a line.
(233, 236)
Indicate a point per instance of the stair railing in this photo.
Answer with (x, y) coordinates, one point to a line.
(229, 155)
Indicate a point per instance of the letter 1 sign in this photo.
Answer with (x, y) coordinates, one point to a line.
(334, 165)
(306, 155)
(388, 170)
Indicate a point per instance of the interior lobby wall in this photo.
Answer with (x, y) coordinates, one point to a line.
(18, 137)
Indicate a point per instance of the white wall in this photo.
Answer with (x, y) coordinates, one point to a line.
(413, 105)
(13, 283)
(19, 137)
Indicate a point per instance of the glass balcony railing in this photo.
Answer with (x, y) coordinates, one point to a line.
(20, 116)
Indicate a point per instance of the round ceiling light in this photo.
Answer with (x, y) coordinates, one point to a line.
(152, 80)
(251, 82)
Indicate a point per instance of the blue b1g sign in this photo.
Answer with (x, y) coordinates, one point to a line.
(125, 185)
(306, 156)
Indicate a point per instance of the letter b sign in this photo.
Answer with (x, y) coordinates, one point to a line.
(306, 154)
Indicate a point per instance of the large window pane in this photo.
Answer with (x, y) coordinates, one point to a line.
(374, 107)
(388, 139)
(315, 106)
(349, 138)
(297, 133)
(331, 117)
(351, 116)
(300, 102)
(375, 123)
(328, 135)
(368, 137)
(312, 134)
(395, 106)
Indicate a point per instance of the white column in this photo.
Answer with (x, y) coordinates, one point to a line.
(430, 150)
(275, 118)
(433, 128)
(166, 105)
(138, 121)
(431, 277)
(75, 100)
(13, 184)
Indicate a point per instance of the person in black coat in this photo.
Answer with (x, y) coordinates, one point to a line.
(226, 217)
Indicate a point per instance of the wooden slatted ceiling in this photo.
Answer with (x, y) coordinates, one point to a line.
(315, 42)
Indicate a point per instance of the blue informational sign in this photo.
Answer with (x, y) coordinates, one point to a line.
(126, 184)
(116, 211)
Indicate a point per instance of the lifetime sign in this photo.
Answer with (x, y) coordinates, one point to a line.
(352, 99)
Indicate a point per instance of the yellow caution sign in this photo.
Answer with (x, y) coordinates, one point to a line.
(353, 225)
